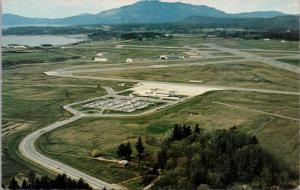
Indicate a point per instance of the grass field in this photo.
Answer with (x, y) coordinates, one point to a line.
(295, 62)
(270, 54)
(244, 74)
(37, 56)
(30, 96)
(279, 136)
(230, 43)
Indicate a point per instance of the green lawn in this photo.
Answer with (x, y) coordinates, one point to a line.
(295, 62)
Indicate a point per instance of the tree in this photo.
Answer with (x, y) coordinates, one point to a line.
(60, 182)
(186, 131)
(197, 129)
(128, 151)
(13, 184)
(31, 178)
(67, 94)
(121, 151)
(253, 140)
(96, 153)
(45, 182)
(38, 184)
(124, 151)
(140, 149)
(176, 135)
(24, 185)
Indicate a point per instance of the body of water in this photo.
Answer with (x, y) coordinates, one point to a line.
(39, 40)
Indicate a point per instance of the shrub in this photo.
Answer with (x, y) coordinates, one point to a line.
(96, 153)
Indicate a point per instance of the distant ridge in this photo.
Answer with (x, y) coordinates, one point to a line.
(274, 23)
(147, 11)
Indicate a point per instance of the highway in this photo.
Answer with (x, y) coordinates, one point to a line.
(27, 146)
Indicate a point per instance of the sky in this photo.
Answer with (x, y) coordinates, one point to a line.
(65, 8)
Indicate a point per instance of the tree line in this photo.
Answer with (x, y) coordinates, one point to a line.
(193, 158)
(61, 181)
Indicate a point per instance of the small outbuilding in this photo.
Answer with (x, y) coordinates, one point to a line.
(129, 60)
(123, 163)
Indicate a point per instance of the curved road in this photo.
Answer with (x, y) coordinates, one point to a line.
(28, 150)
(27, 146)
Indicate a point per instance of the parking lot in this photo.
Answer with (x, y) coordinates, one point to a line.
(121, 103)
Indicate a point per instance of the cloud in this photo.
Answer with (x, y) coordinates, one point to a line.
(64, 8)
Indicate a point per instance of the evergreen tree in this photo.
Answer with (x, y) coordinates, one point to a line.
(31, 179)
(24, 185)
(186, 132)
(162, 159)
(197, 129)
(45, 182)
(176, 135)
(253, 140)
(38, 184)
(121, 151)
(124, 151)
(60, 182)
(13, 184)
(128, 151)
(140, 148)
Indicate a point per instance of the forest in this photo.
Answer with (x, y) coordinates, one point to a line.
(218, 159)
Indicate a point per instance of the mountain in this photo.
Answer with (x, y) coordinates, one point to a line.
(273, 23)
(11, 19)
(141, 12)
(156, 12)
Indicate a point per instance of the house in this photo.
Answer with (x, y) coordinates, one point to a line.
(99, 54)
(129, 60)
(100, 59)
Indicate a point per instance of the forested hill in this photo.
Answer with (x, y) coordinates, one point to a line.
(220, 159)
(281, 22)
